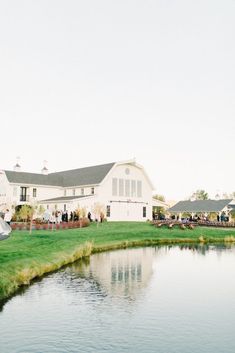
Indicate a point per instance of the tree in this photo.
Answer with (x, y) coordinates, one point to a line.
(83, 212)
(225, 195)
(28, 212)
(159, 211)
(98, 211)
(232, 195)
(233, 215)
(25, 213)
(159, 197)
(40, 210)
(200, 195)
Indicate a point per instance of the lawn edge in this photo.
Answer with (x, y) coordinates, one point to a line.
(37, 270)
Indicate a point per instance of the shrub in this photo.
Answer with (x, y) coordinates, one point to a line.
(38, 221)
(229, 239)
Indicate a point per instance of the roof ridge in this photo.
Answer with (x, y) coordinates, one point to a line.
(91, 166)
(20, 172)
(91, 175)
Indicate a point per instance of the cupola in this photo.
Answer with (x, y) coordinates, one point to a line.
(45, 170)
(17, 167)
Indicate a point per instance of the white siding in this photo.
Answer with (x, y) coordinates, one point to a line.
(133, 193)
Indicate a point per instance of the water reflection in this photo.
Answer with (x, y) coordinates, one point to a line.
(204, 248)
(121, 273)
(165, 299)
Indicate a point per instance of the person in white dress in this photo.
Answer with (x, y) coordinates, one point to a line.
(8, 217)
(5, 229)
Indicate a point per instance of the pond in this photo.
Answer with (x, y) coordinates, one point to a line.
(161, 299)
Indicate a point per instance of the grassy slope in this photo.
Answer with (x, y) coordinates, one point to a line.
(24, 256)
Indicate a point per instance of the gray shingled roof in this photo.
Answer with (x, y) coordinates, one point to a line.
(76, 177)
(65, 198)
(200, 206)
(32, 178)
(84, 176)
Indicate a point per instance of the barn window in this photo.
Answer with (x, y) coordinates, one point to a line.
(144, 212)
(127, 188)
(114, 186)
(133, 188)
(121, 187)
(139, 188)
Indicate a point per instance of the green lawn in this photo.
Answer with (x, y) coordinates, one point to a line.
(24, 256)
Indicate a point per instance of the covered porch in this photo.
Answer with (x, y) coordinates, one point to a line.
(204, 210)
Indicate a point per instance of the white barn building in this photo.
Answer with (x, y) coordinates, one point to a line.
(123, 189)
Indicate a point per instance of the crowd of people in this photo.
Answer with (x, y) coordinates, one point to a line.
(196, 218)
(60, 216)
(56, 217)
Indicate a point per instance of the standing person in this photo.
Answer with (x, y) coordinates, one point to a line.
(101, 217)
(53, 218)
(8, 217)
(66, 216)
(56, 216)
(46, 216)
(59, 217)
(53, 221)
(89, 216)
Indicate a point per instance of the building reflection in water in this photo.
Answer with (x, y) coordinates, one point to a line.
(121, 273)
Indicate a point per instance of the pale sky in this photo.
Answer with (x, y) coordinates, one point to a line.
(92, 82)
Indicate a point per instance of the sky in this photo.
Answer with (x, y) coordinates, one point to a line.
(91, 82)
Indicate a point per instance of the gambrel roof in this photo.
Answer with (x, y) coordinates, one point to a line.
(69, 178)
(200, 206)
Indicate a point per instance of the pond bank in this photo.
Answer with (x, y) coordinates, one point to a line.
(24, 257)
